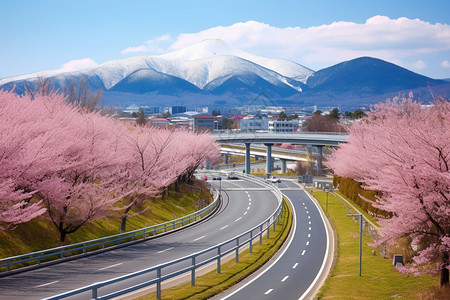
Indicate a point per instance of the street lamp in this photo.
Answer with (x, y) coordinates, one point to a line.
(326, 207)
(360, 237)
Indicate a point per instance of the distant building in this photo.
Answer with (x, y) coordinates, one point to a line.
(159, 122)
(150, 110)
(254, 124)
(207, 123)
(283, 126)
(175, 109)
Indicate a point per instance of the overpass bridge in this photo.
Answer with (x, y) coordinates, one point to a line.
(317, 140)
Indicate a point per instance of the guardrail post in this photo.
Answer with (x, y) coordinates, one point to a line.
(260, 234)
(251, 242)
(94, 293)
(218, 260)
(173, 225)
(268, 229)
(158, 284)
(193, 272)
(237, 250)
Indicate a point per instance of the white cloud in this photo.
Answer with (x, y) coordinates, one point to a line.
(396, 40)
(445, 64)
(420, 64)
(76, 65)
(155, 46)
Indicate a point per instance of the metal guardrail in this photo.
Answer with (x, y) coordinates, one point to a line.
(82, 248)
(157, 274)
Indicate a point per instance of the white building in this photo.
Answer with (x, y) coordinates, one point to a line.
(283, 126)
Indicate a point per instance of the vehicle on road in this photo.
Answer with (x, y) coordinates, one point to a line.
(233, 176)
(274, 179)
(217, 178)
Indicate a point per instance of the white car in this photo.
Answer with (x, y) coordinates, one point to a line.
(274, 179)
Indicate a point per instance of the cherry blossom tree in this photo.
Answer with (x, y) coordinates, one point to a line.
(403, 151)
(16, 129)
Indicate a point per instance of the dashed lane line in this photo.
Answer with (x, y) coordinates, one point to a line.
(199, 238)
(268, 292)
(162, 251)
(45, 284)
(284, 279)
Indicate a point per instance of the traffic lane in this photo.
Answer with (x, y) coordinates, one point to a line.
(295, 270)
(70, 275)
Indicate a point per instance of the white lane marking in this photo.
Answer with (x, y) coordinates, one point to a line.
(307, 243)
(309, 217)
(224, 227)
(249, 203)
(45, 284)
(294, 225)
(309, 222)
(199, 238)
(268, 292)
(309, 228)
(295, 266)
(303, 253)
(307, 212)
(306, 207)
(248, 207)
(309, 235)
(238, 219)
(303, 203)
(162, 251)
(245, 213)
(284, 279)
(108, 267)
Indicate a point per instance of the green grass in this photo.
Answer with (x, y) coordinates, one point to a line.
(40, 234)
(232, 272)
(379, 280)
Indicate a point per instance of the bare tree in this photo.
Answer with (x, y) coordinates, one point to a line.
(79, 94)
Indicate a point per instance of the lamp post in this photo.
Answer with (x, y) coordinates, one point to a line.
(360, 237)
(326, 207)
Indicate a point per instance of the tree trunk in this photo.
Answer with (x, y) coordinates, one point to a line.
(123, 224)
(62, 237)
(445, 271)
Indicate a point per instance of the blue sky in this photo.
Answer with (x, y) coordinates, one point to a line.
(69, 35)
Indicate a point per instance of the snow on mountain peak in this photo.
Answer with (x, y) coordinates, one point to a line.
(216, 47)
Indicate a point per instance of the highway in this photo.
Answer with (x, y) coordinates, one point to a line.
(293, 273)
(245, 205)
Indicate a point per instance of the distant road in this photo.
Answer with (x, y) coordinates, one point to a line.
(246, 204)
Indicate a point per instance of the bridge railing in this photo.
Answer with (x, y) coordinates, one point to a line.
(156, 275)
(9, 264)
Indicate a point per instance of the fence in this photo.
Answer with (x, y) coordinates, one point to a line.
(74, 250)
(157, 274)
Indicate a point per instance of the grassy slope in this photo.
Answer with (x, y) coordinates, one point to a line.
(41, 234)
(379, 280)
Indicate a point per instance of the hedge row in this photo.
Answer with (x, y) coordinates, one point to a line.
(352, 189)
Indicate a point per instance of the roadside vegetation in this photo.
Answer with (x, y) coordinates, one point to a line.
(38, 234)
(379, 280)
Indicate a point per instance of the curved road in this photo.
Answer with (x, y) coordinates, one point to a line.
(295, 270)
(245, 205)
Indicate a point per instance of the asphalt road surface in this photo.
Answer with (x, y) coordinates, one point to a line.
(245, 205)
(293, 272)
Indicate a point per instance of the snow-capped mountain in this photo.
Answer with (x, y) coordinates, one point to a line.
(206, 65)
(214, 73)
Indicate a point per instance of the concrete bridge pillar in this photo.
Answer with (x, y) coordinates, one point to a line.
(226, 157)
(247, 158)
(283, 165)
(269, 159)
(319, 160)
